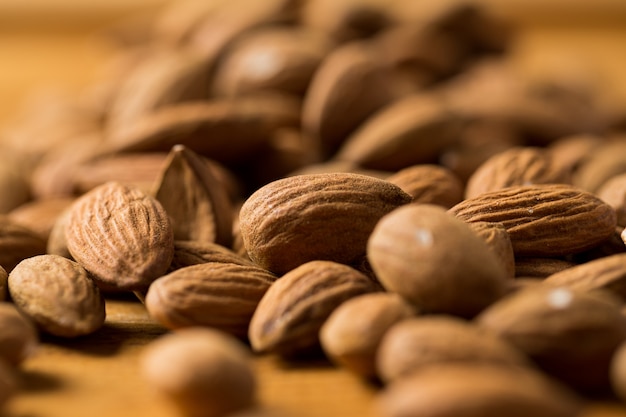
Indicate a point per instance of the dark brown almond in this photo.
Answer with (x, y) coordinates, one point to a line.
(292, 312)
(195, 200)
(121, 236)
(571, 335)
(214, 294)
(351, 335)
(414, 344)
(17, 243)
(429, 184)
(320, 216)
(543, 219)
(58, 295)
(435, 261)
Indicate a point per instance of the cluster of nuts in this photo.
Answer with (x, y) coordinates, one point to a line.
(366, 179)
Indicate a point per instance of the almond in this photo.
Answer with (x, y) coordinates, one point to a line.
(193, 252)
(17, 243)
(613, 192)
(58, 295)
(540, 267)
(499, 242)
(40, 215)
(288, 319)
(3, 284)
(18, 338)
(319, 216)
(429, 184)
(132, 226)
(543, 219)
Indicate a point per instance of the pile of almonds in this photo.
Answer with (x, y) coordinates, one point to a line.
(365, 179)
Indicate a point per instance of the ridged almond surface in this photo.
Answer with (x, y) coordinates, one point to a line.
(319, 216)
(220, 295)
(58, 295)
(17, 242)
(193, 252)
(540, 267)
(18, 337)
(543, 219)
(120, 235)
(292, 312)
(477, 390)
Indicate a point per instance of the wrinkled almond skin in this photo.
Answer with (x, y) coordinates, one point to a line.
(58, 295)
(17, 242)
(18, 337)
(554, 327)
(429, 184)
(543, 219)
(319, 216)
(414, 344)
(608, 273)
(515, 166)
(351, 335)
(219, 295)
(132, 226)
(477, 390)
(3, 284)
(435, 261)
(540, 267)
(193, 252)
(288, 318)
(204, 372)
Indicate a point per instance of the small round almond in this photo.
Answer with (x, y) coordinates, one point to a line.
(413, 344)
(569, 334)
(206, 373)
(477, 390)
(18, 337)
(58, 295)
(352, 333)
(120, 235)
(435, 261)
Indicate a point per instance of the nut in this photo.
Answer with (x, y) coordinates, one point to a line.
(18, 338)
(429, 184)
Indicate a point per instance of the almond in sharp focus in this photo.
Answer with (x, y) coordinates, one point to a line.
(478, 389)
(220, 295)
(435, 261)
(414, 344)
(58, 295)
(194, 198)
(515, 166)
(18, 338)
(543, 219)
(352, 333)
(17, 243)
(320, 216)
(291, 313)
(122, 236)
(571, 335)
(429, 184)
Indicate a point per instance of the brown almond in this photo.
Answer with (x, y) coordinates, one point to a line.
(515, 166)
(412, 130)
(618, 372)
(613, 192)
(320, 216)
(429, 184)
(608, 273)
(18, 338)
(58, 295)
(554, 327)
(414, 344)
(543, 219)
(219, 295)
(347, 88)
(604, 162)
(351, 335)
(540, 267)
(435, 261)
(197, 203)
(471, 390)
(203, 372)
(193, 252)
(17, 243)
(499, 242)
(290, 315)
(14, 185)
(3, 284)
(132, 226)
(57, 244)
(40, 215)
(8, 383)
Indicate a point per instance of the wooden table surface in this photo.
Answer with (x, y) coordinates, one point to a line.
(97, 376)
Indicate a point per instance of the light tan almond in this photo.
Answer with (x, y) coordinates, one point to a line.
(195, 200)
(310, 217)
(18, 338)
(351, 335)
(216, 294)
(435, 261)
(290, 315)
(122, 236)
(58, 295)
(543, 219)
